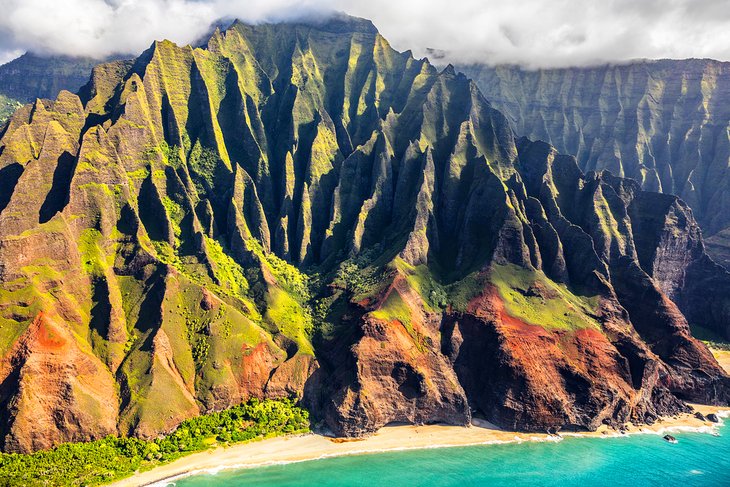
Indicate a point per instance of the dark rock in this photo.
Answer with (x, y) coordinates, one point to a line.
(576, 109)
(207, 302)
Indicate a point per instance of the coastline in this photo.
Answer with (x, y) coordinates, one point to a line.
(299, 448)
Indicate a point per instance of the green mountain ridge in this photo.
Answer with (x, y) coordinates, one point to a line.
(662, 122)
(298, 210)
(32, 76)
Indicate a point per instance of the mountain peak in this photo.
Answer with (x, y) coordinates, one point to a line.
(333, 22)
(298, 209)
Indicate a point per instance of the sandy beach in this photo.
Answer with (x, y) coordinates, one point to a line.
(723, 358)
(287, 449)
(391, 438)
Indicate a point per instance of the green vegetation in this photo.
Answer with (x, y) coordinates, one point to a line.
(198, 339)
(203, 163)
(93, 259)
(721, 345)
(176, 214)
(361, 276)
(172, 154)
(287, 303)
(230, 280)
(533, 298)
(174, 294)
(291, 318)
(462, 292)
(7, 108)
(709, 337)
(350, 278)
(290, 277)
(227, 270)
(420, 279)
(112, 458)
(393, 308)
(396, 309)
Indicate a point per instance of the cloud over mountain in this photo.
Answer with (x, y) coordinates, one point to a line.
(536, 33)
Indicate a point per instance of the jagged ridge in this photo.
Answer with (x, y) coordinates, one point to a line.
(298, 209)
(663, 123)
(30, 76)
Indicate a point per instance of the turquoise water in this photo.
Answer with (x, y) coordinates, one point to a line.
(635, 461)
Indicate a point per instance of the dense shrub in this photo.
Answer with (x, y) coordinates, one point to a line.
(112, 458)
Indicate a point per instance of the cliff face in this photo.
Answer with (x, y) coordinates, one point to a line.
(663, 123)
(300, 210)
(30, 76)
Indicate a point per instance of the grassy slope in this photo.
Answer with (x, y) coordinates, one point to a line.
(528, 295)
(533, 298)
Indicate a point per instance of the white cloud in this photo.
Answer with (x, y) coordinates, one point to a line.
(99, 28)
(530, 32)
(9, 55)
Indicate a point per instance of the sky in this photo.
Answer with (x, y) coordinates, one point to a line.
(533, 33)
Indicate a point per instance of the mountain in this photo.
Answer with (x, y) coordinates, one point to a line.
(298, 210)
(31, 76)
(664, 123)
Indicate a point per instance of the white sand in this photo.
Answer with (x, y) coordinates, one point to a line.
(312, 446)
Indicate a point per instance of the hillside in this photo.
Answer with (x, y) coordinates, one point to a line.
(298, 210)
(31, 76)
(663, 123)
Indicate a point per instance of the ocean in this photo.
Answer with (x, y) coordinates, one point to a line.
(698, 459)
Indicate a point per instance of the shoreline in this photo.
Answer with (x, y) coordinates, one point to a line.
(311, 446)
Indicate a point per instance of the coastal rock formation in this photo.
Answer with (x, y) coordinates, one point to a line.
(663, 123)
(297, 209)
(390, 369)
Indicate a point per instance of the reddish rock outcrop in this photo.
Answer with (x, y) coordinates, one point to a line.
(526, 377)
(52, 391)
